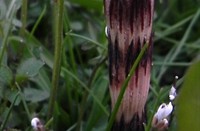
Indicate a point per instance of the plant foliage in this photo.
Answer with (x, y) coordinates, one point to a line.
(82, 100)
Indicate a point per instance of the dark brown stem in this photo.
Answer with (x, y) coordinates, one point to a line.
(129, 24)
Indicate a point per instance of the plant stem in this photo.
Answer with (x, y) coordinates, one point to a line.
(88, 39)
(88, 90)
(58, 33)
(48, 123)
(124, 86)
(23, 16)
(85, 96)
(38, 20)
(23, 101)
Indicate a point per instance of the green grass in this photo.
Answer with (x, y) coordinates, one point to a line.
(82, 100)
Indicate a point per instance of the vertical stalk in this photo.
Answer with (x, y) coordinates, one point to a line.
(23, 16)
(129, 24)
(58, 33)
(23, 101)
(124, 86)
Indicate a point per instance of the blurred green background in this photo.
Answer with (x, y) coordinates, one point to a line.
(83, 101)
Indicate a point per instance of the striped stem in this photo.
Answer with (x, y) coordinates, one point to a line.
(129, 24)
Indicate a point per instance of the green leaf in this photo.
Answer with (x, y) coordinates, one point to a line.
(30, 67)
(35, 95)
(10, 95)
(42, 80)
(188, 102)
(6, 75)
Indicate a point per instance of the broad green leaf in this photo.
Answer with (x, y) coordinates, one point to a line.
(11, 95)
(6, 75)
(30, 67)
(42, 80)
(188, 102)
(35, 95)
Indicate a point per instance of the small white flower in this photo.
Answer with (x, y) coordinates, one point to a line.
(172, 93)
(164, 111)
(160, 118)
(160, 121)
(36, 124)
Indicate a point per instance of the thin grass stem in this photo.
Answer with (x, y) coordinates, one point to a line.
(88, 39)
(58, 32)
(172, 28)
(38, 20)
(49, 122)
(9, 111)
(85, 96)
(176, 50)
(156, 63)
(23, 101)
(23, 16)
(87, 89)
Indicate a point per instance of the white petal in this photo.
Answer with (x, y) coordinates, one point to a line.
(171, 97)
(160, 112)
(34, 122)
(165, 121)
(172, 93)
(164, 111)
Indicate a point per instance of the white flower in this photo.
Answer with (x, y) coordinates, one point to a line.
(160, 121)
(160, 118)
(172, 93)
(36, 124)
(164, 111)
